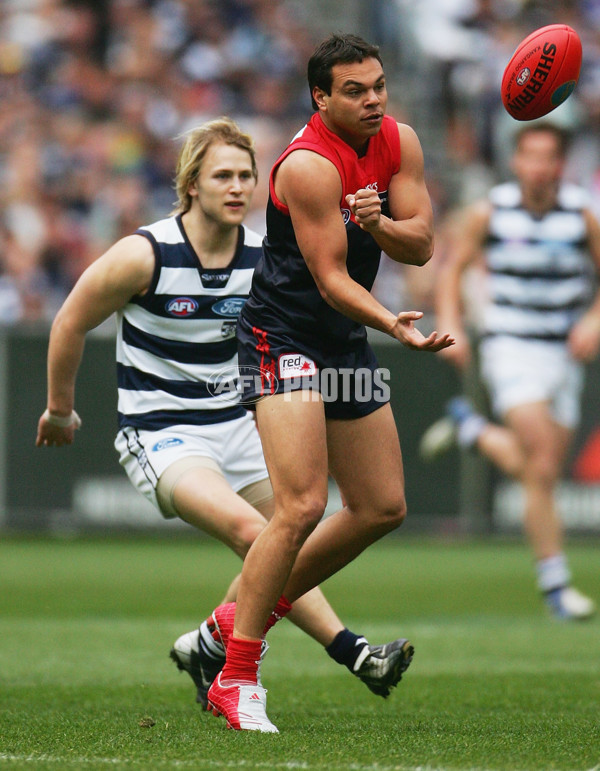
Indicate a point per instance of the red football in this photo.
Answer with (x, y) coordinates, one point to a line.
(542, 72)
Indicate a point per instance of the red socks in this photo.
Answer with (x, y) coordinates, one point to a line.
(280, 611)
(243, 656)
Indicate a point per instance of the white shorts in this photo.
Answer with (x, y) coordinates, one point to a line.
(232, 447)
(518, 372)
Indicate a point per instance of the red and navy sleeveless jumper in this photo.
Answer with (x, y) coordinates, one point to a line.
(285, 310)
(284, 295)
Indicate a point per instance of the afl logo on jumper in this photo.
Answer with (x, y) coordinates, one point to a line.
(181, 306)
(230, 306)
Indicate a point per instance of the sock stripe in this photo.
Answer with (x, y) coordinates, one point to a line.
(361, 656)
(347, 648)
(209, 646)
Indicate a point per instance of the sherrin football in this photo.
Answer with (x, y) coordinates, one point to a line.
(542, 72)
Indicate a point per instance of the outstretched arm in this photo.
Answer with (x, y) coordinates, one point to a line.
(107, 285)
(311, 188)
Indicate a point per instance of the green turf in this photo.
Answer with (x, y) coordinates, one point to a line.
(86, 626)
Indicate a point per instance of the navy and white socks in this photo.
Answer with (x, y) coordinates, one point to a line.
(349, 649)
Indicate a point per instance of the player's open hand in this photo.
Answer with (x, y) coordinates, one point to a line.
(51, 435)
(365, 205)
(405, 331)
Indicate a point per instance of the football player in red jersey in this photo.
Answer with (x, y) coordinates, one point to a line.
(349, 186)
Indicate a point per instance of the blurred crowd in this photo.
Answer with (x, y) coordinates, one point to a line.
(93, 96)
(95, 93)
(451, 57)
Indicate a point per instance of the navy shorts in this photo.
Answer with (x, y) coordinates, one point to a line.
(350, 383)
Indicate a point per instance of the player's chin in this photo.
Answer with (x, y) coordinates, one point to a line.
(371, 126)
(235, 214)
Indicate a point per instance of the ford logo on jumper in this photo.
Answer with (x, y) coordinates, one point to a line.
(229, 306)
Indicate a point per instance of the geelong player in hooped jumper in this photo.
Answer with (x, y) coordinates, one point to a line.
(176, 287)
(350, 185)
(539, 242)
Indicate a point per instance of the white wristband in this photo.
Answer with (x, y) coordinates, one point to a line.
(55, 420)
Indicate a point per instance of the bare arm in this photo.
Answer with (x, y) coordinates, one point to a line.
(408, 236)
(106, 286)
(466, 245)
(584, 340)
(321, 236)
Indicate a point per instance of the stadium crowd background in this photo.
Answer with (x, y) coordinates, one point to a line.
(93, 94)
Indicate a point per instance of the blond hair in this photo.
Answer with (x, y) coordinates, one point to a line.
(194, 149)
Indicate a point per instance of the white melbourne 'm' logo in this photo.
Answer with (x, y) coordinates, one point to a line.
(296, 365)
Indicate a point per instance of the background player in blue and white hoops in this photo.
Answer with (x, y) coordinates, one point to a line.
(540, 243)
(176, 287)
(350, 185)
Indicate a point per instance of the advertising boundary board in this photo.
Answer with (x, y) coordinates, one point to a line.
(82, 487)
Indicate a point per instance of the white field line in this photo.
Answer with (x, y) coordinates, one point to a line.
(64, 762)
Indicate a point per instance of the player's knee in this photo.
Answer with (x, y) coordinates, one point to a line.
(301, 516)
(310, 511)
(546, 473)
(544, 468)
(243, 534)
(388, 515)
(394, 513)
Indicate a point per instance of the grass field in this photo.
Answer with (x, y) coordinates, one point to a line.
(86, 627)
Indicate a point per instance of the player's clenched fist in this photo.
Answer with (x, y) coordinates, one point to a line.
(365, 205)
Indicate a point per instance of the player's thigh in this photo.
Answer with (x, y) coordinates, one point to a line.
(202, 497)
(365, 459)
(293, 435)
(260, 496)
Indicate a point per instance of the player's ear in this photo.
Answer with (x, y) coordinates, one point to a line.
(319, 96)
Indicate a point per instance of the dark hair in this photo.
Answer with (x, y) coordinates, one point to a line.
(336, 49)
(545, 127)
